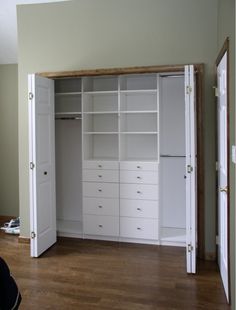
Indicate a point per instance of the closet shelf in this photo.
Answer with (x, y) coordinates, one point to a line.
(68, 94)
(139, 91)
(139, 112)
(139, 132)
(106, 92)
(100, 133)
(101, 112)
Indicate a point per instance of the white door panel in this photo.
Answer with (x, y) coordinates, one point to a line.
(222, 172)
(42, 158)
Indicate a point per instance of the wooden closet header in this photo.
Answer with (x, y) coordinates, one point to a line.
(119, 71)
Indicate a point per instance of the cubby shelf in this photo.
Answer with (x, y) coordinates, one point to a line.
(120, 117)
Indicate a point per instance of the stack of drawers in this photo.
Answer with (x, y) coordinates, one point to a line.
(139, 200)
(101, 198)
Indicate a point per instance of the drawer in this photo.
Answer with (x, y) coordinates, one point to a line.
(136, 165)
(100, 175)
(139, 177)
(109, 190)
(101, 206)
(107, 165)
(139, 191)
(138, 228)
(101, 225)
(139, 208)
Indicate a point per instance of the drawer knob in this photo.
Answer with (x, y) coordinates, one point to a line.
(100, 225)
(100, 176)
(138, 177)
(99, 166)
(100, 207)
(139, 167)
(139, 228)
(139, 209)
(138, 192)
(100, 190)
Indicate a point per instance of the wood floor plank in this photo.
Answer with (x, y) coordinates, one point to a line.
(86, 274)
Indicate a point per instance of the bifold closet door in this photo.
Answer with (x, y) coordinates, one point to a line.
(42, 164)
(191, 169)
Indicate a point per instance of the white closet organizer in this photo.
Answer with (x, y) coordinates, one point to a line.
(108, 161)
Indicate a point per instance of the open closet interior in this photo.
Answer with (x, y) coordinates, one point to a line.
(120, 158)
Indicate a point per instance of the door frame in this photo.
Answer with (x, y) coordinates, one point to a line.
(199, 71)
(224, 49)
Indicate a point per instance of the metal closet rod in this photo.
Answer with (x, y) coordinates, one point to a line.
(171, 75)
(68, 118)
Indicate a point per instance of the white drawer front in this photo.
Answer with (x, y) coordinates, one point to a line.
(139, 208)
(138, 228)
(109, 190)
(136, 165)
(107, 165)
(101, 225)
(101, 206)
(100, 175)
(136, 191)
(139, 177)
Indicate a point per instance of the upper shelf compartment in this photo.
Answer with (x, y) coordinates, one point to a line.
(68, 86)
(134, 82)
(100, 84)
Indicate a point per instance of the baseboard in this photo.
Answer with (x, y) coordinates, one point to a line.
(24, 240)
(5, 218)
(210, 256)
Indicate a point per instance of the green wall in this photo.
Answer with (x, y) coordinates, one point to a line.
(9, 193)
(226, 28)
(91, 34)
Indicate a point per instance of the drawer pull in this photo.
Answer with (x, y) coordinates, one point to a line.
(100, 225)
(139, 178)
(99, 166)
(100, 207)
(139, 167)
(138, 192)
(139, 228)
(100, 176)
(100, 190)
(139, 209)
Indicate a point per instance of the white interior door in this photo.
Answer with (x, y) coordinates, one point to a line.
(42, 164)
(191, 169)
(222, 172)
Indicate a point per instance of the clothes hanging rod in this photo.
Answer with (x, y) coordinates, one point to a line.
(171, 75)
(68, 118)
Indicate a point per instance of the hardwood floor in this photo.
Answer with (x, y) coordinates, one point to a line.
(83, 274)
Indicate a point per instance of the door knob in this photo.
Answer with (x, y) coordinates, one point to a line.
(225, 189)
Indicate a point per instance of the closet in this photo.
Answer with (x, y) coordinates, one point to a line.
(120, 157)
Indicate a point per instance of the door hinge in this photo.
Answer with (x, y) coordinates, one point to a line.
(190, 248)
(217, 166)
(188, 89)
(217, 239)
(32, 165)
(33, 234)
(31, 96)
(216, 91)
(189, 169)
